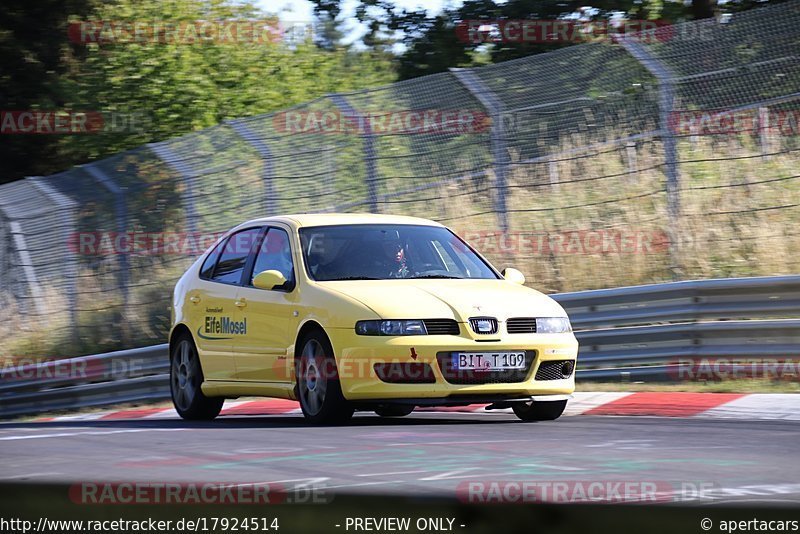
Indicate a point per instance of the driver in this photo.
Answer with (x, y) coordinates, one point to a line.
(395, 255)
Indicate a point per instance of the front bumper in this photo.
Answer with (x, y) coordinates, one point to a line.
(357, 355)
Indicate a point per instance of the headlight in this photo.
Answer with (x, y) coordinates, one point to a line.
(552, 325)
(411, 327)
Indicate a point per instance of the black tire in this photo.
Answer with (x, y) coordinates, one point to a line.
(394, 410)
(318, 388)
(539, 411)
(185, 379)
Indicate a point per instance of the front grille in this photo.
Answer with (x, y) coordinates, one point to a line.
(521, 325)
(555, 370)
(405, 373)
(455, 376)
(441, 326)
(483, 325)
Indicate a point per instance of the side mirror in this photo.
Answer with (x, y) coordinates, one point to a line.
(269, 279)
(513, 275)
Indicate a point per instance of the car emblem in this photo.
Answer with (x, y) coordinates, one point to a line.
(483, 325)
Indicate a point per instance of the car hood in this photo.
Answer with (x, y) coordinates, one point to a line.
(448, 299)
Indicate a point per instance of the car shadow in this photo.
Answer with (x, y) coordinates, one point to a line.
(266, 421)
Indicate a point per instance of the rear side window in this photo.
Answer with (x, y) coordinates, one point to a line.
(207, 269)
(234, 255)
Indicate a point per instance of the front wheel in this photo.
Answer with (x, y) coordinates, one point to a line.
(539, 410)
(318, 386)
(185, 379)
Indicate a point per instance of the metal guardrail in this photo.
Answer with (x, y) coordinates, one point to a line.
(133, 375)
(694, 300)
(643, 333)
(654, 332)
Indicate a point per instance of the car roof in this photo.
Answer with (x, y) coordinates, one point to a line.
(331, 219)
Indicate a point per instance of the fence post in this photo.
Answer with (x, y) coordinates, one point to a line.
(632, 161)
(165, 153)
(552, 170)
(764, 126)
(494, 106)
(370, 155)
(330, 164)
(121, 216)
(5, 253)
(65, 206)
(242, 130)
(666, 101)
(27, 265)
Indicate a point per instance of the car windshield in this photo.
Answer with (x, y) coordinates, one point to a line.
(383, 252)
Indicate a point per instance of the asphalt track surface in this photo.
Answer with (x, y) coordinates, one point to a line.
(708, 461)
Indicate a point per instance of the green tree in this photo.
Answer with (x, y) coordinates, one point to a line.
(433, 44)
(35, 61)
(174, 88)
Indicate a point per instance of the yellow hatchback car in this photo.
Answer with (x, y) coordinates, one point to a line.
(348, 312)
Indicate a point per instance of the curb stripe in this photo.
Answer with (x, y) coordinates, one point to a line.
(78, 417)
(138, 413)
(667, 404)
(262, 407)
(163, 413)
(776, 406)
(785, 406)
(582, 402)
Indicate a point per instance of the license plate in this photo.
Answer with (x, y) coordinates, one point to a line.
(488, 361)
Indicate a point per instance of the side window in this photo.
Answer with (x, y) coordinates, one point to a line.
(234, 256)
(275, 254)
(207, 269)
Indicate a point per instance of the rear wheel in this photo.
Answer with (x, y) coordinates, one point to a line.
(539, 410)
(318, 386)
(394, 410)
(185, 379)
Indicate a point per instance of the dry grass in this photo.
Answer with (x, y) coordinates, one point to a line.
(738, 214)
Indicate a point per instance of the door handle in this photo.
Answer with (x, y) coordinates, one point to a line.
(194, 298)
(241, 303)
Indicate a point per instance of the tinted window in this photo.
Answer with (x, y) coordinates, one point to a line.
(234, 256)
(207, 269)
(372, 251)
(275, 254)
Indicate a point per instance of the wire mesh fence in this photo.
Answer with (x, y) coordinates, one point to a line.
(646, 158)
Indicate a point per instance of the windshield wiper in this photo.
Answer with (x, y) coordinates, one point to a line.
(439, 276)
